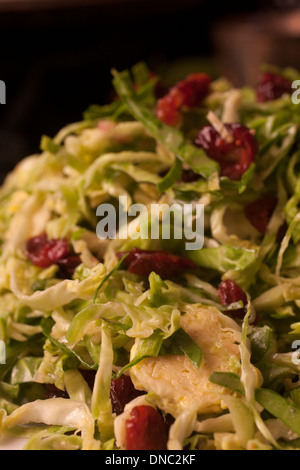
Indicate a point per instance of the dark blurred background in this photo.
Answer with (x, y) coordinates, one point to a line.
(56, 55)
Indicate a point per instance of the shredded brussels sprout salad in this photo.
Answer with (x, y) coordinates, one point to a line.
(138, 343)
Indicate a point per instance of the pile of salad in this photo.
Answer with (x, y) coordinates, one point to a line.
(140, 344)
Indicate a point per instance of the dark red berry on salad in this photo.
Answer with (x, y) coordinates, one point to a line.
(272, 86)
(168, 110)
(165, 264)
(145, 430)
(260, 212)
(44, 252)
(234, 155)
(189, 92)
(229, 293)
(122, 391)
(194, 89)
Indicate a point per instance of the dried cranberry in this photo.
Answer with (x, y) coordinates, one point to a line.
(43, 252)
(165, 264)
(259, 212)
(188, 92)
(168, 110)
(194, 89)
(229, 292)
(145, 430)
(234, 156)
(35, 249)
(272, 86)
(122, 391)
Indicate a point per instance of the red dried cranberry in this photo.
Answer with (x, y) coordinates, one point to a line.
(43, 252)
(35, 248)
(234, 157)
(259, 212)
(229, 292)
(165, 264)
(122, 391)
(188, 92)
(272, 86)
(167, 110)
(194, 89)
(145, 430)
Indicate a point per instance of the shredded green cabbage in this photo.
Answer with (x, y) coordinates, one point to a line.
(230, 380)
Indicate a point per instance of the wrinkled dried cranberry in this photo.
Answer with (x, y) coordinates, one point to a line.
(122, 391)
(168, 110)
(165, 264)
(272, 86)
(229, 292)
(259, 212)
(234, 157)
(145, 430)
(44, 252)
(194, 89)
(188, 92)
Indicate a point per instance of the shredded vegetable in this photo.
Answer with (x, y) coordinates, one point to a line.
(97, 329)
